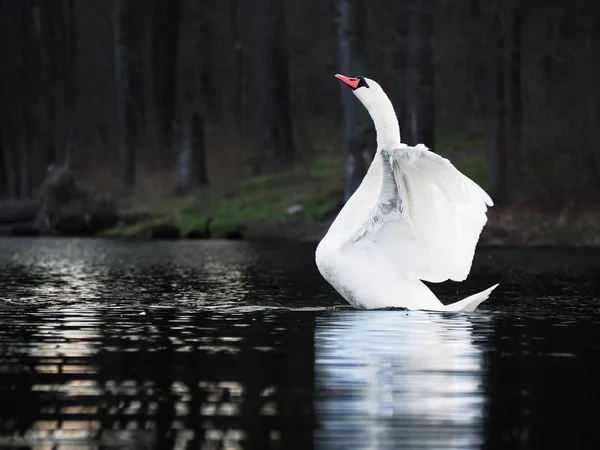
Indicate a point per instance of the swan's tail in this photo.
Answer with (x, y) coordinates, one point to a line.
(470, 303)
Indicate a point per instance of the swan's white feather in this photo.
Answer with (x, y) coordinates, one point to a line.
(428, 216)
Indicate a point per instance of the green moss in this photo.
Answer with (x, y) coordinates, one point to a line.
(315, 184)
(134, 230)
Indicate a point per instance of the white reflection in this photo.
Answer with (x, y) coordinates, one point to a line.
(66, 264)
(397, 378)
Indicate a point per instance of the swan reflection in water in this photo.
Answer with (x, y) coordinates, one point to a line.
(408, 378)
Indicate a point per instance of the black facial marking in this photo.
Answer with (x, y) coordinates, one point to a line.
(362, 82)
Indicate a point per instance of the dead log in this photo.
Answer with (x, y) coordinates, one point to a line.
(14, 211)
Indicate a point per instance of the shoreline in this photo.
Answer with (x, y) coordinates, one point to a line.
(495, 234)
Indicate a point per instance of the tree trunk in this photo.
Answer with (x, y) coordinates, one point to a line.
(351, 62)
(497, 157)
(238, 90)
(9, 166)
(25, 136)
(69, 80)
(56, 37)
(24, 133)
(274, 111)
(46, 110)
(593, 99)
(512, 54)
(151, 121)
(419, 106)
(475, 67)
(191, 166)
(3, 180)
(199, 142)
(397, 90)
(4, 165)
(284, 130)
(504, 160)
(185, 165)
(15, 93)
(208, 48)
(166, 62)
(125, 110)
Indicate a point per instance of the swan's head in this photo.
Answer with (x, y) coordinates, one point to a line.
(379, 106)
(368, 91)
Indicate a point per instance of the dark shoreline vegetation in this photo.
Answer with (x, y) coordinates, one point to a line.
(297, 204)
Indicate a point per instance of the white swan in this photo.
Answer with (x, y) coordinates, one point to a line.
(414, 217)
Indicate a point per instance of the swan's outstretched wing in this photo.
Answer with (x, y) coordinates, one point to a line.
(428, 217)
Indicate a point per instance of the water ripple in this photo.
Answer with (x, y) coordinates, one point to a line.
(242, 345)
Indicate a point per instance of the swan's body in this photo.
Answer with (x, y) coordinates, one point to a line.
(414, 217)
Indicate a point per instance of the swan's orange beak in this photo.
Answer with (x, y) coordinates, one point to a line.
(352, 82)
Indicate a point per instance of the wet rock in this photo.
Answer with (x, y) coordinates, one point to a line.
(164, 231)
(294, 209)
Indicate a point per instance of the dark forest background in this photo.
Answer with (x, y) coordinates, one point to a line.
(185, 93)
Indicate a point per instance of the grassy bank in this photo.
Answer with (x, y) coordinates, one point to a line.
(303, 193)
(292, 204)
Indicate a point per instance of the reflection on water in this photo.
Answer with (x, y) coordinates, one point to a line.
(395, 377)
(216, 345)
(155, 379)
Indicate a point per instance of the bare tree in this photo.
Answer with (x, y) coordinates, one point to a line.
(56, 34)
(351, 43)
(238, 90)
(274, 115)
(24, 129)
(191, 165)
(419, 125)
(24, 134)
(70, 78)
(497, 145)
(10, 92)
(283, 127)
(125, 119)
(10, 174)
(504, 150)
(476, 65)
(5, 167)
(593, 100)
(167, 56)
(151, 120)
(512, 31)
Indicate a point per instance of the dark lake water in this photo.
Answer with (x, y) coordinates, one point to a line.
(227, 345)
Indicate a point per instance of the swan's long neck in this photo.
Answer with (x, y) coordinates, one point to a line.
(357, 208)
(384, 117)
